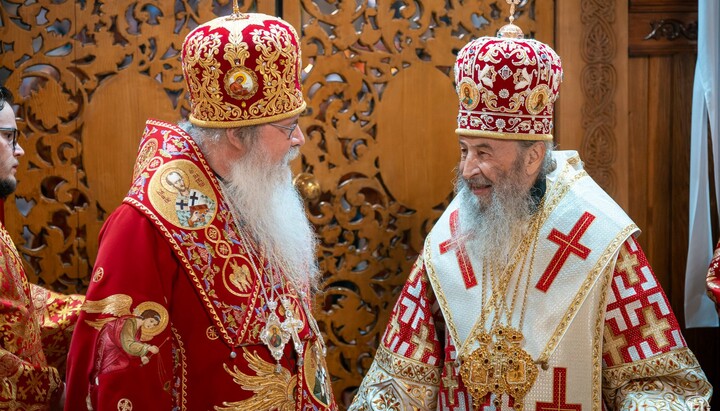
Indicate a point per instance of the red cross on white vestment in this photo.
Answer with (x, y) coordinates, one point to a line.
(457, 243)
(559, 393)
(569, 243)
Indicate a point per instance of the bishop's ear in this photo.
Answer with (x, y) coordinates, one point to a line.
(534, 157)
(231, 135)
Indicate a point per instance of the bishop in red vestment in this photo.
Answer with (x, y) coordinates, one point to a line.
(200, 296)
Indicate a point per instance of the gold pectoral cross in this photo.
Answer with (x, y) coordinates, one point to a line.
(499, 366)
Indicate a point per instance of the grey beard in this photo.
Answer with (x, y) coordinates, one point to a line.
(494, 230)
(274, 214)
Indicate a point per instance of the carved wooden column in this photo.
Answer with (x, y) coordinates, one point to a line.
(591, 40)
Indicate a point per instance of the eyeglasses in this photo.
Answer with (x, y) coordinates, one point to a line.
(11, 135)
(289, 129)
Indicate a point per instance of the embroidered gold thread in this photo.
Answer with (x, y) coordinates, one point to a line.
(598, 340)
(183, 369)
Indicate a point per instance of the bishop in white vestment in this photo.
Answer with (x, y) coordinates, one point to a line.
(531, 292)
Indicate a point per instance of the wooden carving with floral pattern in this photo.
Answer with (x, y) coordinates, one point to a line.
(379, 128)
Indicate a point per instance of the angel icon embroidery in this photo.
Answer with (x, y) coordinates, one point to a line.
(124, 335)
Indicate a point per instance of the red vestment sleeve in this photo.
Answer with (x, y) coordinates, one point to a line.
(58, 315)
(646, 361)
(117, 358)
(26, 381)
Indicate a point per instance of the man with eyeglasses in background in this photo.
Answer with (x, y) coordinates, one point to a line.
(35, 324)
(213, 241)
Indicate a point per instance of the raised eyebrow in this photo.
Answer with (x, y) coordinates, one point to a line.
(481, 145)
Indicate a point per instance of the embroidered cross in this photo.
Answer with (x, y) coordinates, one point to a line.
(181, 204)
(449, 382)
(569, 243)
(194, 198)
(392, 330)
(559, 393)
(627, 263)
(612, 344)
(456, 242)
(421, 343)
(655, 327)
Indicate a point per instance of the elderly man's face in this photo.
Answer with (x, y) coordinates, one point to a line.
(8, 156)
(279, 138)
(487, 162)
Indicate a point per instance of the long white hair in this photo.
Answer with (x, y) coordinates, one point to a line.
(271, 209)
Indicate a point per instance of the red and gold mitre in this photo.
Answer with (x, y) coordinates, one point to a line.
(507, 86)
(242, 70)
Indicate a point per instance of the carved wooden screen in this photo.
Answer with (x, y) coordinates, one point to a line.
(379, 128)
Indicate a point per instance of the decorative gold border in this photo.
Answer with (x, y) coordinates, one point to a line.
(405, 368)
(242, 123)
(183, 367)
(439, 294)
(504, 136)
(598, 339)
(658, 365)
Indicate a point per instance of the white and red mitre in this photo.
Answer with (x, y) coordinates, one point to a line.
(242, 70)
(507, 86)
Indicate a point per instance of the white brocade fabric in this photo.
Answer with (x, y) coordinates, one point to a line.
(602, 323)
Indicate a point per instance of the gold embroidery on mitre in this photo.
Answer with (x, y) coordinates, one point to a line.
(280, 95)
(200, 52)
(279, 90)
(272, 390)
(240, 82)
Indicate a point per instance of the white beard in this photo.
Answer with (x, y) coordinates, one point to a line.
(494, 230)
(274, 214)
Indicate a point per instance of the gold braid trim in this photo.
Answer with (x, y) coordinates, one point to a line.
(503, 136)
(244, 123)
(606, 278)
(668, 381)
(406, 368)
(397, 383)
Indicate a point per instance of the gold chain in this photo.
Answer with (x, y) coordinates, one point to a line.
(499, 284)
(500, 365)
